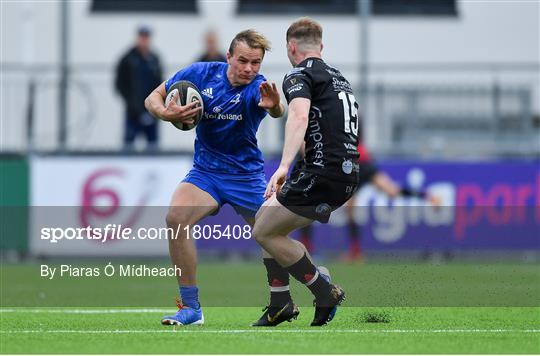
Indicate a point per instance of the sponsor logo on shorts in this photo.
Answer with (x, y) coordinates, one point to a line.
(323, 209)
(310, 185)
(300, 176)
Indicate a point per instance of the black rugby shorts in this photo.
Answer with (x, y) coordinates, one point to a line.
(314, 196)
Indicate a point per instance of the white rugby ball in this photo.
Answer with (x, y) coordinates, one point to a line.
(187, 93)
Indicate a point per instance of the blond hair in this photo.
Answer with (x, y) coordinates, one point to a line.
(252, 38)
(306, 31)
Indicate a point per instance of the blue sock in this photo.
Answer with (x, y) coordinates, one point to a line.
(190, 296)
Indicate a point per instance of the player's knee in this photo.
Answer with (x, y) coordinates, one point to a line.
(260, 233)
(177, 217)
(263, 232)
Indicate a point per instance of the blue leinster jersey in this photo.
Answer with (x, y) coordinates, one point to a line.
(226, 140)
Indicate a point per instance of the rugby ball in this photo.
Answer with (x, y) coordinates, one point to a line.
(187, 93)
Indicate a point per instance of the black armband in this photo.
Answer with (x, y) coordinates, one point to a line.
(407, 192)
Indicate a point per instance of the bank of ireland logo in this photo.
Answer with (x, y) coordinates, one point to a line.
(347, 167)
(217, 109)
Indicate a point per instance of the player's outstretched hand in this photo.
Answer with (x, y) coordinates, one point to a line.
(180, 113)
(269, 96)
(275, 183)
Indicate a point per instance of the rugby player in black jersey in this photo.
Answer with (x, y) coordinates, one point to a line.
(323, 113)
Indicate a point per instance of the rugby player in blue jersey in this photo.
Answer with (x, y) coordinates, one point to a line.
(228, 165)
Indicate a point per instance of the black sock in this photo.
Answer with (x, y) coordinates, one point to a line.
(305, 272)
(278, 280)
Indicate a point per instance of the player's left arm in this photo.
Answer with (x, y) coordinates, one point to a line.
(270, 99)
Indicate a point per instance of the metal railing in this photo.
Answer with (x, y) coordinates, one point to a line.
(421, 110)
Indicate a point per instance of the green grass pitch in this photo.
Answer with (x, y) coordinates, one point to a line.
(386, 312)
(410, 330)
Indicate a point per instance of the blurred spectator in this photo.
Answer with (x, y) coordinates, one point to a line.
(536, 121)
(212, 53)
(137, 74)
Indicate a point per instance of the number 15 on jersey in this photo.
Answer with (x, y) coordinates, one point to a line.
(350, 112)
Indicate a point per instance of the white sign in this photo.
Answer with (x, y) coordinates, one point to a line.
(102, 206)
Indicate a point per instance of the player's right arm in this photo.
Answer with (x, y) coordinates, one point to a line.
(297, 89)
(302, 151)
(295, 130)
(155, 104)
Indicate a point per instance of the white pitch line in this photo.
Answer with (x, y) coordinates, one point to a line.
(250, 331)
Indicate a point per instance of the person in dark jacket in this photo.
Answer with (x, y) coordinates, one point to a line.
(137, 74)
